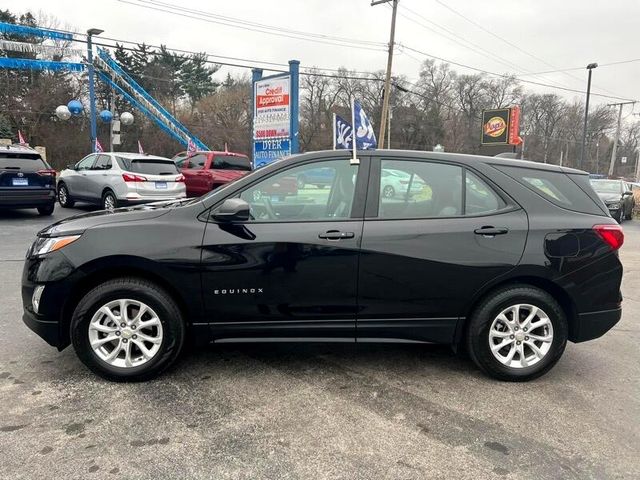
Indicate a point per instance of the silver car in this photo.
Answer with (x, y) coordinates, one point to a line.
(114, 179)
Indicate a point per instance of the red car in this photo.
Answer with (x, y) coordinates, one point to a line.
(204, 171)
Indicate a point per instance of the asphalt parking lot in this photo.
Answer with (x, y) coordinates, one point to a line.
(315, 411)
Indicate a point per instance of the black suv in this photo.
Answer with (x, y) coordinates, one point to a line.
(507, 258)
(26, 180)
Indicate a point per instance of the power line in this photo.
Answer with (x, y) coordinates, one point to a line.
(252, 26)
(487, 72)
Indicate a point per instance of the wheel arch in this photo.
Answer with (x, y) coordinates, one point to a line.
(118, 268)
(557, 292)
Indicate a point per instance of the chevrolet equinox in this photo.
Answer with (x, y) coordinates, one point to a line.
(506, 258)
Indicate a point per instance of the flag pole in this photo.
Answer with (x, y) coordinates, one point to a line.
(334, 130)
(354, 159)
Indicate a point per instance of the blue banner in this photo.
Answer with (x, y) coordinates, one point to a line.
(267, 151)
(25, 64)
(365, 138)
(25, 31)
(344, 133)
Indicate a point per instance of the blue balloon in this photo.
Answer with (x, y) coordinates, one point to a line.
(106, 116)
(75, 107)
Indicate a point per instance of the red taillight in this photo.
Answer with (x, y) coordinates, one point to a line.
(180, 178)
(49, 172)
(128, 177)
(611, 234)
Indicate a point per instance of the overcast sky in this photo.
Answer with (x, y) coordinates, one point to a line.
(560, 33)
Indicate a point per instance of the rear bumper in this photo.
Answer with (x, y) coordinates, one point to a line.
(13, 198)
(135, 199)
(595, 324)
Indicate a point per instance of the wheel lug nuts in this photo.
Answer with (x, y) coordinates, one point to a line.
(133, 327)
(511, 336)
(134, 336)
(118, 333)
(525, 329)
(526, 338)
(517, 328)
(124, 340)
(516, 342)
(123, 324)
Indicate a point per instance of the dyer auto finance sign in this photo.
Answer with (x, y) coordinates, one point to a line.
(272, 108)
(266, 151)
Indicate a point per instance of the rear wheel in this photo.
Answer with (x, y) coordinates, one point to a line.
(127, 330)
(388, 191)
(517, 334)
(64, 197)
(109, 201)
(46, 211)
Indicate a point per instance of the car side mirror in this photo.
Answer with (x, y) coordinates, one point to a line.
(627, 193)
(71, 166)
(232, 210)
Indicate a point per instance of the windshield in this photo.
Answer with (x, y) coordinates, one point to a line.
(607, 186)
(150, 166)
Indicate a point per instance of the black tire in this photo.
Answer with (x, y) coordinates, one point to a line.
(46, 211)
(388, 191)
(105, 199)
(65, 200)
(135, 289)
(619, 217)
(483, 316)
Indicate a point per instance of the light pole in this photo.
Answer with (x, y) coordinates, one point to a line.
(92, 92)
(590, 67)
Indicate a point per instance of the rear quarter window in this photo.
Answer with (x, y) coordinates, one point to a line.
(231, 162)
(558, 188)
(29, 162)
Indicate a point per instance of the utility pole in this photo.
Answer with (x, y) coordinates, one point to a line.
(590, 67)
(637, 166)
(92, 94)
(387, 80)
(614, 151)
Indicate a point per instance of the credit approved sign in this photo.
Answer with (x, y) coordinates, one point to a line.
(272, 106)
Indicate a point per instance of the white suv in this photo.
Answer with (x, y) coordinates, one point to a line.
(114, 179)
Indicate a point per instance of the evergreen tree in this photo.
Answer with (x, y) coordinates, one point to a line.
(196, 78)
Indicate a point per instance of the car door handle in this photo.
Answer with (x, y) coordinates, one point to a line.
(336, 235)
(491, 231)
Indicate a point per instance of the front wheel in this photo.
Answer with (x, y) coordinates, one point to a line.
(619, 217)
(127, 330)
(517, 334)
(64, 197)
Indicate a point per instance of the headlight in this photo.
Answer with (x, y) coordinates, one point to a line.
(45, 245)
(613, 205)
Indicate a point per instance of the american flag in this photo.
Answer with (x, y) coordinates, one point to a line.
(21, 139)
(97, 147)
(140, 150)
(191, 148)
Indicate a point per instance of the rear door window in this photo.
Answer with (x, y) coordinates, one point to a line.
(103, 163)
(150, 166)
(231, 162)
(29, 162)
(556, 187)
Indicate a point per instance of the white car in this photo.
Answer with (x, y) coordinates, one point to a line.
(395, 183)
(114, 179)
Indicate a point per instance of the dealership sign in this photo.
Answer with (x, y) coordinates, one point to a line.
(501, 126)
(275, 115)
(272, 108)
(267, 151)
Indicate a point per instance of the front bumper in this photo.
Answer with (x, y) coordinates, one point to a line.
(49, 331)
(595, 324)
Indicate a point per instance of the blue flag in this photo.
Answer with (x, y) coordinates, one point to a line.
(343, 133)
(365, 138)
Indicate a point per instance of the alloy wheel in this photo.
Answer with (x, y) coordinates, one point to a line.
(520, 336)
(63, 195)
(388, 191)
(109, 202)
(125, 333)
